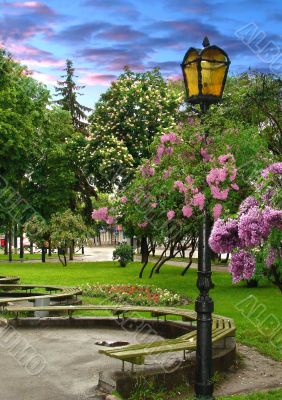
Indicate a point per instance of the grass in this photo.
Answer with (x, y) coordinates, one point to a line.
(270, 395)
(27, 256)
(257, 312)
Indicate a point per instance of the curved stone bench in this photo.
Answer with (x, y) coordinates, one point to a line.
(135, 353)
(8, 279)
(66, 293)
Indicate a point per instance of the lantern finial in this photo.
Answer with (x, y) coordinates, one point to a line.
(206, 41)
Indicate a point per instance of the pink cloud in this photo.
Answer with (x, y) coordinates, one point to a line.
(33, 5)
(32, 56)
(97, 79)
(47, 79)
(175, 77)
(43, 63)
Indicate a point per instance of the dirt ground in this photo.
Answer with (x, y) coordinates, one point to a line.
(254, 372)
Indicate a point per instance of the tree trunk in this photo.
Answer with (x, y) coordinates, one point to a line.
(49, 248)
(144, 250)
(6, 244)
(31, 247)
(71, 250)
(43, 254)
(21, 244)
(82, 250)
(10, 235)
(15, 240)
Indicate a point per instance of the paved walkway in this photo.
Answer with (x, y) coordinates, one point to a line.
(94, 254)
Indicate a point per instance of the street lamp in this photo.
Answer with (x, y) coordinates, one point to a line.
(204, 73)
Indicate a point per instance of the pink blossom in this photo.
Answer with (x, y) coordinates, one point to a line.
(109, 220)
(123, 199)
(234, 186)
(189, 180)
(205, 155)
(170, 214)
(191, 121)
(216, 211)
(216, 175)
(157, 159)
(219, 194)
(160, 150)
(169, 150)
(187, 211)
(233, 174)
(146, 170)
(154, 205)
(199, 200)
(143, 224)
(166, 174)
(170, 137)
(225, 158)
(180, 186)
(101, 214)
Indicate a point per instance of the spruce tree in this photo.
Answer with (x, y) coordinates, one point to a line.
(68, 90)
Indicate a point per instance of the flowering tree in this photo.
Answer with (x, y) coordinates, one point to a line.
(255, 235)
(135, 108)
(189, 171)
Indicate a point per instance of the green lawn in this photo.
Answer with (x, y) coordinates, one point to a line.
(255, 311)
(271, 395)
(27, 256)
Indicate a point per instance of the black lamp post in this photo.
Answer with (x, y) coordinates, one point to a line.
(205, 73)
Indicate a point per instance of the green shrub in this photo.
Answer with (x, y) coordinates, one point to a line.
(123, 253)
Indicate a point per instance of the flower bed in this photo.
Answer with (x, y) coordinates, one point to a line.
(135, 295)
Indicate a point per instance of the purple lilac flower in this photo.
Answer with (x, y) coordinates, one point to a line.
(252, 228)
(275, 168)
(242, 266)
(272, 218)
(248, 203)
(272, 254)
(224, 236)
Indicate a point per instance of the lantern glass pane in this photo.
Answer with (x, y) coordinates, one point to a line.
(191, 73)
(213, 72)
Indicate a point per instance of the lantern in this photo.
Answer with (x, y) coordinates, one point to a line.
(205, 73)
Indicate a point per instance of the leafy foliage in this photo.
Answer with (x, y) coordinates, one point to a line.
(69, 92)
(123, 253)
(66, 228)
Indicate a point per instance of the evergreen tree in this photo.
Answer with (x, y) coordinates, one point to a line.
(69, 91)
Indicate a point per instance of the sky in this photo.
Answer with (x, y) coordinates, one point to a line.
(102, 36)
